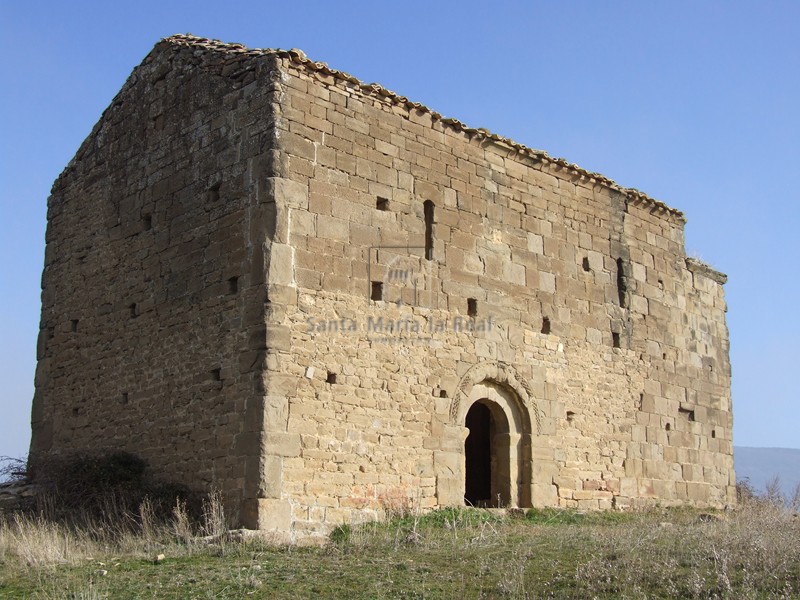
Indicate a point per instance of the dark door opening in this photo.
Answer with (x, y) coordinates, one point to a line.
(478, 451)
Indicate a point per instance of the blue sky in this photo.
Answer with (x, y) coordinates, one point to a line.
(695, 103)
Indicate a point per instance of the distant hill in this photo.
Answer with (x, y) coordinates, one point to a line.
(760, 465)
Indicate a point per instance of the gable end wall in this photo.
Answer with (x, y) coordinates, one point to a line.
(152, 334)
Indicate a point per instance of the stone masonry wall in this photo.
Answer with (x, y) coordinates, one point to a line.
(152, 331)
(370, 418)
(267, 277)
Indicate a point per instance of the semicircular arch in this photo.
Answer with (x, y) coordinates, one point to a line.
(504, 376)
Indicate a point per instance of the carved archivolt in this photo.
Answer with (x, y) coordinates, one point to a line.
(503, 375)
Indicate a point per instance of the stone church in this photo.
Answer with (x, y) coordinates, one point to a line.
(327, 301)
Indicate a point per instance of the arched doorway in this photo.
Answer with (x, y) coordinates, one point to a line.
(499, 390)
(487, 454)
(478, 455)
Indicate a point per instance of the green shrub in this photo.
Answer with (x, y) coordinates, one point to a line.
(341, 534)
(568, 516)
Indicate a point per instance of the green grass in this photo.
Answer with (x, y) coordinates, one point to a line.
(555, 516)
(449, 553)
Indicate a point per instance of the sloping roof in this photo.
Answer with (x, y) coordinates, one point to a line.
(299, 58)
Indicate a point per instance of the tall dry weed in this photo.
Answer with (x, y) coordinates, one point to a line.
(38, 542)
(181, 523)
(214, 521)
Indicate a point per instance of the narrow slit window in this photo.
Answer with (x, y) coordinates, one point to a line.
(546, 325)
(331, 377)
(213, 192)
(216, 374)
(124, 398)
(382, 203)
(615, 340)
(472, 307)
(233, 285)
(147, 221)
(74, 325)
(132, 308)
(428, 206)
(667, 427)
(442, 393)
(377, 290)
(622, 283)
(586, 266)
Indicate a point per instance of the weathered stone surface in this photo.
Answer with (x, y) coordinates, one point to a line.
(246, 285)
(15, 495)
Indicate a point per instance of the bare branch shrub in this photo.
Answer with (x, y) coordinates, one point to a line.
(12, 469)
(108, 489)
(745, 492)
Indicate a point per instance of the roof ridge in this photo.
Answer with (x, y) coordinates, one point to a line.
(299, 57)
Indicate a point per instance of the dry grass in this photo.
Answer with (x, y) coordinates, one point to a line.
(753, 552)
(37, 540)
